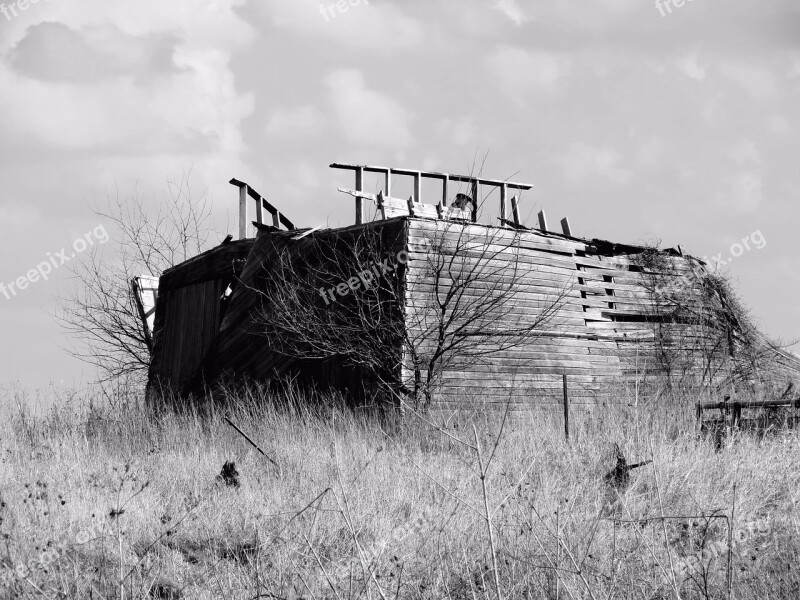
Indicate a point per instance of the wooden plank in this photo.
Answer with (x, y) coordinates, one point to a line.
(359, 201)
(243, 212)
(542, 221)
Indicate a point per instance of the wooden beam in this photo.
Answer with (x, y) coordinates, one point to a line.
(359, 200)
(435, 175)
(260, 211)
(418, 187)
(476, 190)
(565, 227)
(276, 219)
(243, 212)
(388, 188)
(503, 197)
(258, 198)
(515, 210)
(381, 205)
(542, 221)
(566, 409)
(411, 206)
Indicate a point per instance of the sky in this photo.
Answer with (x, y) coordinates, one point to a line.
(638, 120)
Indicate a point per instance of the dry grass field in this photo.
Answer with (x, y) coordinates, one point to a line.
(103, 499)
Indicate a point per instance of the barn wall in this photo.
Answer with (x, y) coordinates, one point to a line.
(604, 333)
(240, 350)
(188, 313)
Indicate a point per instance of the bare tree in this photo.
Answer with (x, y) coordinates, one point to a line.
(98, 310)
(400, 317)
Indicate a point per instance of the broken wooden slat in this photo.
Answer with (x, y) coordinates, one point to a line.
(515, 210)
(542, 221)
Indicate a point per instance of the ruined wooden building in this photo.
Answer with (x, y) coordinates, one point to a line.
(421, 298)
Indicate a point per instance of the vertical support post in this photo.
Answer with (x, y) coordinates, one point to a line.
(359, 199)
(260, 211)
(243, 212)
(418, 187)
(515, 210)
(566, 408)
(475, 193)
(441, 206)
(276, 219)
(503, 197)
(565, 227)
(388, 186)
(381, 206)
(411, 206)
(542, 221)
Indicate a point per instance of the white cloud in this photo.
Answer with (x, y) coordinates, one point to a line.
(458, 131)
(582, 161)
(300, 122)
(650, 152)
(745, 151)
(779, 125)
(522, 73)
(13, 214)
(758, 81)
(690, 67)
(139, 90)
(364, 24)
(366, 116)
(512, 10)
(743, 192)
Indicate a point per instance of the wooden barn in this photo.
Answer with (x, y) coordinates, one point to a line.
(422, 301)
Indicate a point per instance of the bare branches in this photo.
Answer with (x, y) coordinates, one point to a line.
(397, 305)
(99, 311)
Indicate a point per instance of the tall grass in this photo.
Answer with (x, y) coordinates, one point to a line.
(122, 502)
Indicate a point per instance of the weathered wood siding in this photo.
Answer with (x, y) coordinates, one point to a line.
(188, 313)
(604, 332)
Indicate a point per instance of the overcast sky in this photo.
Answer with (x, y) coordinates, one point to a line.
(677, 123)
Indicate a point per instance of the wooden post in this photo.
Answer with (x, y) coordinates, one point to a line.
(475, 192)
(411, 206)
(565, 227)
(418, 187)
(515, 210)
(542, 221)
(243, 212)
(276, 219)
(388, 183)
(503, 196)
(566, 409)
(381, 206)
(359, 199)
(260, 211)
